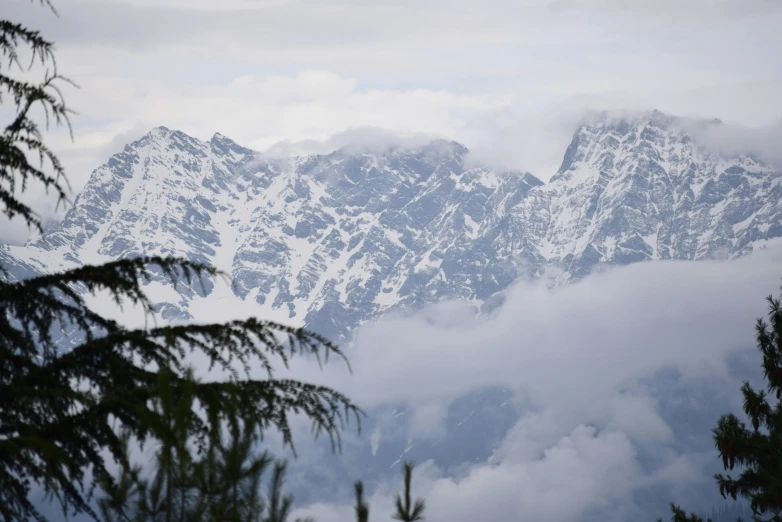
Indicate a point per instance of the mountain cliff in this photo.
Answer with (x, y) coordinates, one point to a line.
(330, 241)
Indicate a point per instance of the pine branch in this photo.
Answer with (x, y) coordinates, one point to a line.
(22, 137)
(406, 510)
(58, 412)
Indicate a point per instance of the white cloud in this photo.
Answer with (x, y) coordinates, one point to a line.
(584, 359)
(734, 139)
(354, 139)
(583, 470)
(539, 333)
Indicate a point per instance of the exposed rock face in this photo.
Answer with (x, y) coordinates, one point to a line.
(631, 191)
(330, 241)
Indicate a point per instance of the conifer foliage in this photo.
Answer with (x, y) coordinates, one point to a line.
(406, 509)
(221, 484)
(361, 508)
(755, 448)
(21, 140)
(63, 411)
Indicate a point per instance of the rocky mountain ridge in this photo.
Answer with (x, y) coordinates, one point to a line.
(330, 241)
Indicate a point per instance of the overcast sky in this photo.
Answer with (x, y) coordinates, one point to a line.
(503, 76)
(508, 78)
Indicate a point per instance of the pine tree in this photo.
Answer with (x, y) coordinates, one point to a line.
(117, 504)
(223, 485)
(362, 508)
(21, 139)
(239, 471)
(62, 411)
(278, 504)
(679, 515)
(756, 448)
(173, 460)
(406, 511)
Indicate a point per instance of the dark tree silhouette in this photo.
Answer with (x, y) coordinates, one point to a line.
(406, 510)
(223, 484)
(62, 412)
(21, 140)
(679, 515)
(279, 504)
(756, 448)
(362, 508)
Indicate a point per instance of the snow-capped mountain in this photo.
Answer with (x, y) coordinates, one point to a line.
(642, 189)
(330, 241)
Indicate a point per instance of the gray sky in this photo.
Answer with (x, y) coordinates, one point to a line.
(503, 76)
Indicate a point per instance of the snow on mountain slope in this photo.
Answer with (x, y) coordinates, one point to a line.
(343, 237)
(326, 241)
(330, 241)
(636, 190)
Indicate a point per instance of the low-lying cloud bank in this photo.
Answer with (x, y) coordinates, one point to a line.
(619, 379)
(584, 361)
(732, 139)
(366, 139)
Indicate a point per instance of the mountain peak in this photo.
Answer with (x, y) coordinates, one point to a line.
(381, 147)
(623, 119)
(225, 146)
(163, 134)
(154, 134)
(447, 146)
(333, 240)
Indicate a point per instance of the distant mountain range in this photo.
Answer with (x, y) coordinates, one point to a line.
(331, 241)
